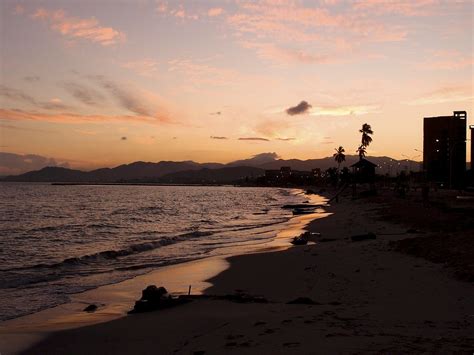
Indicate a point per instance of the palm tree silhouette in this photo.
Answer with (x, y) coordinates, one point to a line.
(339, 156)
(366, 132)
(362, 151)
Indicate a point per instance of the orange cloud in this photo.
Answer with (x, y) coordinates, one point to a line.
(77, 28)
(355, 110)
(215, 11)
(72, 118)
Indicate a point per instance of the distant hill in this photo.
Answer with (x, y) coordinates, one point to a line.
(51, 174)
(192, 172)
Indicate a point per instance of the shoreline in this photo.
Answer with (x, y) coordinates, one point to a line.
(365, 297)
(114, 300)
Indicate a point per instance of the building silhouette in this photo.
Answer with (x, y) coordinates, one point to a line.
(444, 149)
(472, 147)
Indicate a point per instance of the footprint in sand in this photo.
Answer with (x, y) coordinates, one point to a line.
(269, 331)
(291, 344)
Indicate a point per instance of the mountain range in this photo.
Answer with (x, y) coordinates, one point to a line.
(192, 172)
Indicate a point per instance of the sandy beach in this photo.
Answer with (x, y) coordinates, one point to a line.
(366, 297)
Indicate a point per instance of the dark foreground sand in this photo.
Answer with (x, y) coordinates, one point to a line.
(370, 298)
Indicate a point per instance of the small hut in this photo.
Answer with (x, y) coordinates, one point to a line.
(364, 171)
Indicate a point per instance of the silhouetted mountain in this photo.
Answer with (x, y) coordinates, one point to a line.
(51, 174)
(189, 171)
(141, 170)
(134, 171)
(205, 176)
(258, 160)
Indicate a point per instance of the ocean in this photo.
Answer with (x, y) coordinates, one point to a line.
(59, 240)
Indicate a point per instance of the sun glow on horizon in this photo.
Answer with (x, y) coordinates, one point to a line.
(93, 84)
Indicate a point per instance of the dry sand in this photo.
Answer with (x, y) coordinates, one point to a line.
(369, 297)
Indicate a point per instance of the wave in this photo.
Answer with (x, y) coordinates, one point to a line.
(115, 254)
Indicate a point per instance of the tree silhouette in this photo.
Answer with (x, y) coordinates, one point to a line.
(366, 134)
(339, 156)
(362, 151)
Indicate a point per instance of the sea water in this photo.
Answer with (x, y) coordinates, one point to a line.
(60, 240)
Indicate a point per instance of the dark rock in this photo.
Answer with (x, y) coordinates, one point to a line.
(303, 300)
(361, 237)
(90, 308)
(152, 293)
(154, 298)
(299, 241)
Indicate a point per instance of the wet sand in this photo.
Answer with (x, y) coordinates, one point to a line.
(115, 300)
(367, 298)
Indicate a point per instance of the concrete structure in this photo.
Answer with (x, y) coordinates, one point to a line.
(444, 149)
(472, 147)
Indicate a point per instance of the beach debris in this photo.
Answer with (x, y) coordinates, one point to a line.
(361, 237)
(301, 239)
(303, 300)
(154, 298)
(90, 308)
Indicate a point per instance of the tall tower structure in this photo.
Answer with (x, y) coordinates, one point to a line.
(472, 148)
(444, 149)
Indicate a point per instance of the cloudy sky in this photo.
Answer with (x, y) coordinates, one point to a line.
(99, 83)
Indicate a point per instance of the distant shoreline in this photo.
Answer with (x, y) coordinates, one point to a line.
(133, 184)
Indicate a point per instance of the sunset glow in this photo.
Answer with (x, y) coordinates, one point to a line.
(95, 84)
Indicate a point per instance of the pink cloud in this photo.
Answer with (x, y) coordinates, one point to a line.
(448, 60)
(282, 55)
(179, 11)
(202, 73)
(401, 7)
(290, 20)
(76, 28)
(144, 67)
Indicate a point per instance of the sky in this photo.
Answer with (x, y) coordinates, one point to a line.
(89, 83)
